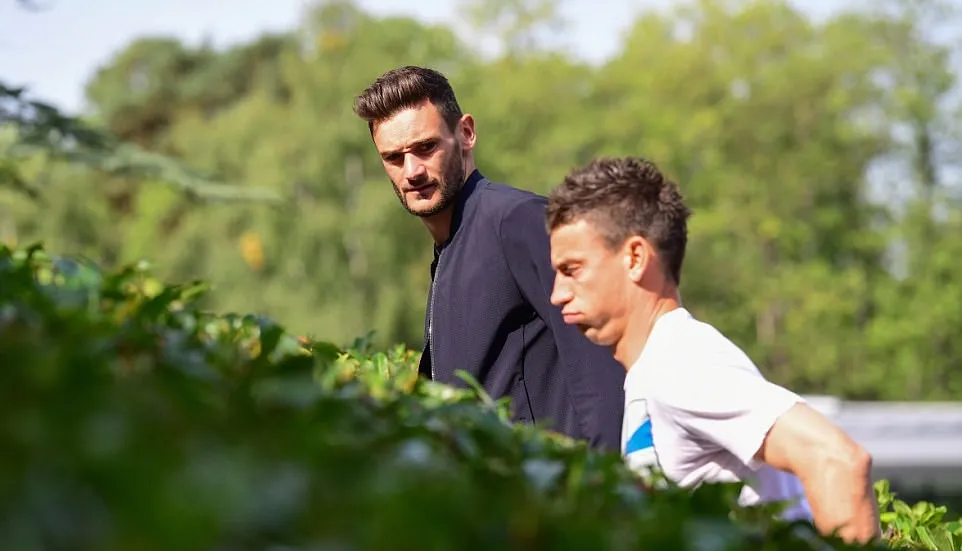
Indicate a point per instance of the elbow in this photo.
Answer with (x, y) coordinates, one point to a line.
(844, 497)
(858, 463)
(839, 482)
(847, 460)
(861, 463)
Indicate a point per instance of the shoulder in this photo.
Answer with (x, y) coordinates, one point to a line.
(510, 212)
(503, 200)
(692, 345)
(686, 361)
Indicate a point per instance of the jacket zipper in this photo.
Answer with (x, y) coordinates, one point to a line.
(437, 270)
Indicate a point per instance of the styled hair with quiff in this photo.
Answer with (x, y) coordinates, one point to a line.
(406, 87)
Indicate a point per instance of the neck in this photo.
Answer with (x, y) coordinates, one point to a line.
(439, 225)
(640, 324)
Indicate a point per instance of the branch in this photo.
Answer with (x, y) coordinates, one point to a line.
(42, 128)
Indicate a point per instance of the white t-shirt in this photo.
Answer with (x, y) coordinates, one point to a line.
(698, 408)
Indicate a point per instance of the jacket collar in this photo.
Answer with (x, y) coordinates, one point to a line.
(467, 190)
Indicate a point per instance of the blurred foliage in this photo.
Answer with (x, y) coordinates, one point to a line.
(42, 131)
(132, 418)
(821, 158)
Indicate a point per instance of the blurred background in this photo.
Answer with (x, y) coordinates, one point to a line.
(819, 143)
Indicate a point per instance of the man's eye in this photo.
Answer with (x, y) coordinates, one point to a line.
(426, 147)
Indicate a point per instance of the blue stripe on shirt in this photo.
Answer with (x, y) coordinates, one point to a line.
(641, 439)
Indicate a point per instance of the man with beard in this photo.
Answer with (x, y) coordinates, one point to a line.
(488, 308)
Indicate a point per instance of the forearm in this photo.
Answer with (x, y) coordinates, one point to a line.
(840, 493)
(835, 471)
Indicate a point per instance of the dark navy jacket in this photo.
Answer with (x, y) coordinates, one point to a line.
(489, 314)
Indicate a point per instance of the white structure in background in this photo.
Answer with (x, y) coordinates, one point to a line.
(915, 445)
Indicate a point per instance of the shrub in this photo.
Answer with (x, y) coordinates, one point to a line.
(134, 420)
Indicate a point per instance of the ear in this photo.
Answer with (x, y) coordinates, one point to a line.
(466, 134)
(637, 257)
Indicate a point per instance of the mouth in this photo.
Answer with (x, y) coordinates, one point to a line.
(572, 319)
(422, 190)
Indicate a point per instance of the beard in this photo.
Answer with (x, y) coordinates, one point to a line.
(450, 183)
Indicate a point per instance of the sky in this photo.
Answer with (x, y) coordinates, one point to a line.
(55, 51)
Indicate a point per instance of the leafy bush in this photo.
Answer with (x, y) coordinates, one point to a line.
(916, 527)
(134, 420)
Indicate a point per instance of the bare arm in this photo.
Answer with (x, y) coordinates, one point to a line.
(835, 472)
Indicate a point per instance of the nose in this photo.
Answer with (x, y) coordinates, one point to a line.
(560, 294)
(413, 168)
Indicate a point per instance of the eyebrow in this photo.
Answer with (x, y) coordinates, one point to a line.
(565, 262)
(422, 141)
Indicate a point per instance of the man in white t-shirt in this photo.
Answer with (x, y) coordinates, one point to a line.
(696, 407)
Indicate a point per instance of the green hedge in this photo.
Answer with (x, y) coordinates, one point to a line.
(134, 420)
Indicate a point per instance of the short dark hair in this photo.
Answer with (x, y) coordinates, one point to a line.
(405, 87)
(625, 196)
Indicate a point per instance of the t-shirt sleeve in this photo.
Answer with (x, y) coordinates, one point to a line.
(726, 403)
